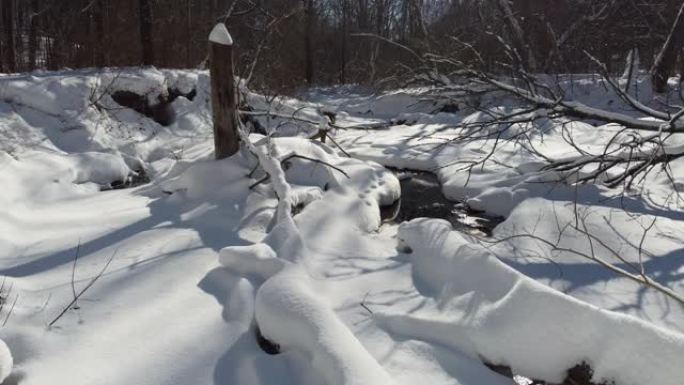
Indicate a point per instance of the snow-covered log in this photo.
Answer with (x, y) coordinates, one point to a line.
(487, 309)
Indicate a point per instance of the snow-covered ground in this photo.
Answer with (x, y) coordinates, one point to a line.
(180, 271)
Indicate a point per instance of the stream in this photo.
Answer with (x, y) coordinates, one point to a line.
(422, 197)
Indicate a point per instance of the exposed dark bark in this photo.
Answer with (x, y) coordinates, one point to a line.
(33, 38)
(343, 48)
(188, 33)
(666, 60)
(520, 42)
(98, 16)
(223, 100)
(308, 44)
(146, 32)
(8, 24)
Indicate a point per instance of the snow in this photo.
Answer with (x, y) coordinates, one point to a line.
(482, 307)
(288, 311)
(99, 168)
(258, 259)
(205, 255)
(220, 35)
(6, 361)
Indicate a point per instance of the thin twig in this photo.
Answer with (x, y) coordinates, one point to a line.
(73, 272)
(91, 283)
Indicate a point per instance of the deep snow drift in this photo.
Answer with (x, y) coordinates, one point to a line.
(284, 243)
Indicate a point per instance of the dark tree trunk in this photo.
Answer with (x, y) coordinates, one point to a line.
(223, 99)
(666, 60)
(188, 34)
(98, 38)
(146, 32)
(8, 24)
(343, 49)
(33, 36)
(308, 43)
(520, 42)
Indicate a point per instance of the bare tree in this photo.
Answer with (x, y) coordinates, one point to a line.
(666, 60)
(33, 38)
(8, 24)
(520, 42)
(308, 41)
(146, 32)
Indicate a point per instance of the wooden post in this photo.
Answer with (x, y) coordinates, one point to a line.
(223, 93)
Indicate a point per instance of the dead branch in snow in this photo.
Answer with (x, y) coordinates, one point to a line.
(84, 289)
(11, 310)
(283, 163)
(4, 297)
(324, 124)
(73, 274)
(294, 117)
(609, 257)
(364, 306)
(642, 145)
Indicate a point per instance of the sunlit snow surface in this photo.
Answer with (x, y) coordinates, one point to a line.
(199, 255)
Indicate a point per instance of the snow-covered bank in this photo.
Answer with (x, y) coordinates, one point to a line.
(513, 183)
(287, 310)
(487, 309)
(209, 251)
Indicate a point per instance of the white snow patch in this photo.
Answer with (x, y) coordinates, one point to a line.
(6, 361)
(100, 168)
(288, 311)
(487, 309)
(220, 35)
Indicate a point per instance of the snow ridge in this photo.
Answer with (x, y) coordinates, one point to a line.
(487, 309)
(287, 309)
(6, 361)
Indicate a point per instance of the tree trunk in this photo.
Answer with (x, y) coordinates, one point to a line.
(665, 62)
(681, 67)
(33, 36)
(343, 49)
(146, 32)
(223, 93)
(520, 42)
(98, 38)
(8, 24)
(308, 43)
(188, 34)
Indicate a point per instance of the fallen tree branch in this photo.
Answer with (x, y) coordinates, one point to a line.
(293, 156)
(85, 288)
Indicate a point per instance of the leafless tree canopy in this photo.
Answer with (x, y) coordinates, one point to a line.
(325, 41)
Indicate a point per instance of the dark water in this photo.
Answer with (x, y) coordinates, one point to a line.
(138, 178)
(421, 197)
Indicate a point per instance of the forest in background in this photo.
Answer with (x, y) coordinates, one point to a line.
(285, 43)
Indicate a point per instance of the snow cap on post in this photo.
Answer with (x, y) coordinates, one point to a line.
(220, 35)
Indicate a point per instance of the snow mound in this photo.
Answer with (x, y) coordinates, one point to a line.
(287, 308)
(208, 179)
(487, 309)
(288, 311)
(258, 259)
(99, 168)
(52, 95)
(6, 361)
